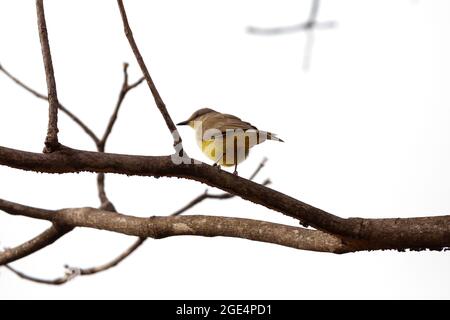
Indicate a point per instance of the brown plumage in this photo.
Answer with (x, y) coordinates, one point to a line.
(225, 138)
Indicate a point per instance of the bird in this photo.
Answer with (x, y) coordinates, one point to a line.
(225, 138)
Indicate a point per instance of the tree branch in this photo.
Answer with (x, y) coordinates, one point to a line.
(212, 226)
(41, 241)
(63, 109)
(177, 142)
(67, 160)
(168, 226)
(105, 203)
(314, 11)
(51, 141)
(69, 275)
(310, 24)
(427, 232)
(72, 272)
(123, 92)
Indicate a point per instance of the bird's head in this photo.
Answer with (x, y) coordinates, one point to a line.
(196, 116)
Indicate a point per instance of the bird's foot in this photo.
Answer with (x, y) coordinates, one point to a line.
(235, 173)
(216, 165)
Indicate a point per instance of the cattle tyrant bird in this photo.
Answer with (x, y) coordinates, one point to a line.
(225, 138)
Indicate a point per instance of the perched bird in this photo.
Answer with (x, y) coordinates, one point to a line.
(225, 138)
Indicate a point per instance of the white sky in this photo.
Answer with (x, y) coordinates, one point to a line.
(366, 129)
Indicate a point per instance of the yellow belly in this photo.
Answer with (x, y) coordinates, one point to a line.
(223, 153)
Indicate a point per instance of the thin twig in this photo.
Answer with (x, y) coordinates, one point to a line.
(309, 26)
(105, 203)
(72, 272)
(314, 11)
(63, 109)
(291, 29)
(124, 90)
(69, 275)
(205, 195)
(177, 142)
(51, 140)
(307, 55)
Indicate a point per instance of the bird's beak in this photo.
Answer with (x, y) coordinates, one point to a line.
(183, 123)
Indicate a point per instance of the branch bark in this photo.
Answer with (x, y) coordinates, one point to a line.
(426, 232)
(207, 226)
(51, 141)
(177, 142)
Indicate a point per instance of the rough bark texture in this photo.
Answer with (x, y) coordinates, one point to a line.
(426, 232)
(51, 141)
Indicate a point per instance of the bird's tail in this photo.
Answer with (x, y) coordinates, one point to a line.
(271, 136)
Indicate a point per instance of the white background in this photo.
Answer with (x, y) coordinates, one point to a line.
(367, 134)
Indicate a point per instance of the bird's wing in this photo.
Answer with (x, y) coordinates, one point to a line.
(223, 122)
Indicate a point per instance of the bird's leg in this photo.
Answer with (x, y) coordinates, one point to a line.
(216, 164)
(235, 169)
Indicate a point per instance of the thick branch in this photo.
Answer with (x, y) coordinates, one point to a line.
(51, 141)
(207, 226)
(158, 100)
(428, 232)
(67, 160)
